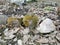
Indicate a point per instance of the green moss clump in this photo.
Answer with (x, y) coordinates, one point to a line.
(30, 18)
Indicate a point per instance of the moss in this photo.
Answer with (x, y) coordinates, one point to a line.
(25, 20)
(34, 21)
(10, 20)
(28, 18)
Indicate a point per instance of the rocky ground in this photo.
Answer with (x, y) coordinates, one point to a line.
(47, 31)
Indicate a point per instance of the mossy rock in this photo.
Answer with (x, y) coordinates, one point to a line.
(12, 20)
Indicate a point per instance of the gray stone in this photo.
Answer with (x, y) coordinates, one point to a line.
(57, 22)
(35, 37)
(58, 37)
(58, 27)
(52, 16)
(3, 19)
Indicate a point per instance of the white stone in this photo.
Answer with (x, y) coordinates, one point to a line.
(15, 39)
(16, 1)
(9, 33)
(19, 42)
(9, 37)
(2, 40)
(16, 29)
(25, 38)
(46, 26)
(43, 40)
(6, 30)
(25, 31)
(12, 36)
(58, 37)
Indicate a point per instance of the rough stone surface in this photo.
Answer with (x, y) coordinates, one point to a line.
(46, 26)
(3, 19)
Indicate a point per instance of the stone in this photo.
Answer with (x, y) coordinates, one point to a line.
(9, 44)
(54, 34)
(15, 39)
(57, 22)
(58, 11)
(43, 40)
(58, 43)
(35, 31)
(16, 30)
(52, 16)
(31, 43)
(1, 2)
(25, 31)
(9, 37)
(58, 27)
(58, 37)
(51, 40)
(9, 34)
(17, 1)
(3, 19)
(25, 38)
(20, 42)
(35, 37)
(46, 26)
(6, 30)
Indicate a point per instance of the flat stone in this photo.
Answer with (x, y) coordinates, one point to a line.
(46, 26)
(25, 38)
(58, 37)
(43, 40)
(18, 2)
(15, 39)
(3, 19)
(20, 42)
(16, 30)
(9, 37)
(25, 31)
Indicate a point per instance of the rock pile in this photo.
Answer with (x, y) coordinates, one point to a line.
(46, 30)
